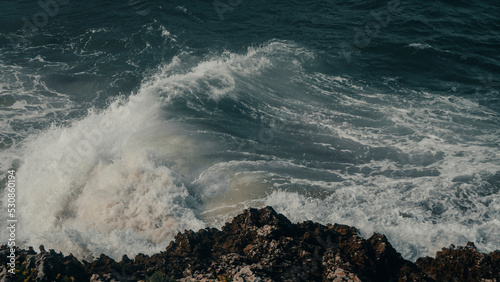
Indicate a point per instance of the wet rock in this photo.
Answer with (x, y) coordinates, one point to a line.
(262, 245)
(44, 266)
(461, 264)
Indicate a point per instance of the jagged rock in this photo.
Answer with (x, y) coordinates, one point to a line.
(44, 266)
(462, 264)
(247, 273)
(262, 245)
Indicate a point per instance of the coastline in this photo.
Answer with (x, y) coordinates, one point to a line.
(262, 245)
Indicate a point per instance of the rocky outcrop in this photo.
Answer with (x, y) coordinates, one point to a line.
(262, 245)
(461, 264)
(44, 266)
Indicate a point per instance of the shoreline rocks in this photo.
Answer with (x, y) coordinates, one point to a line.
(262, 245)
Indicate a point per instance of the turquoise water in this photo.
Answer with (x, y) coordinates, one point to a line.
(130, 121)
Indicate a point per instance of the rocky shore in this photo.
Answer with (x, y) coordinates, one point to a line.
(262, 245)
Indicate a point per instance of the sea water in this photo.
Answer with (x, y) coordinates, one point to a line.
(129, 121)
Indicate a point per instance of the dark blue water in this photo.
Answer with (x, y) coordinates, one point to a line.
(128, 121)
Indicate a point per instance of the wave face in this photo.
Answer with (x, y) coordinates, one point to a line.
(124, 135)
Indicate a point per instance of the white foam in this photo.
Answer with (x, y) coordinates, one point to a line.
(94, 187)
(113, 181)
(394, 209)
(167, 34)
(447, 144)
(420, 46)
(27, 105)
(187, 12)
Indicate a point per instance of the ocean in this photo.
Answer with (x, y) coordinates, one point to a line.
(127, 122)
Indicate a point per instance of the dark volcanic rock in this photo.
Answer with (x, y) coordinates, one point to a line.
(262, 245)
